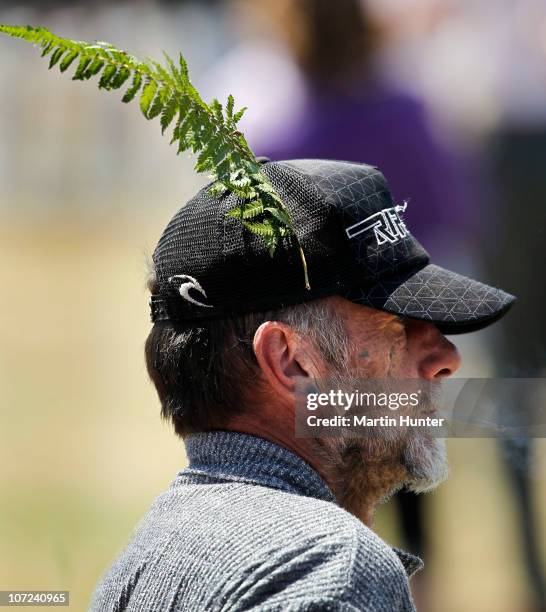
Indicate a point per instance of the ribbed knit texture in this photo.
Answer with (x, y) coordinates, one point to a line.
(251, 526)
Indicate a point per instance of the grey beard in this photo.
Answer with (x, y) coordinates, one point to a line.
(426, 462)
(421, 459)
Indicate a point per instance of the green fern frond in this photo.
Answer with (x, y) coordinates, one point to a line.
(249, 210)
(210, 131)
(262, 229)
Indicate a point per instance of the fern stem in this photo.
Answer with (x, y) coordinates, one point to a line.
(304, 264)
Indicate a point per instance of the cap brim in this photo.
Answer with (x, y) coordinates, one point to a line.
(455, 303)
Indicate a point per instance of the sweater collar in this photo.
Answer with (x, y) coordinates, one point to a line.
(239, 457)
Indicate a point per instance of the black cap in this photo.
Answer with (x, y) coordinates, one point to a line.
(355, 241)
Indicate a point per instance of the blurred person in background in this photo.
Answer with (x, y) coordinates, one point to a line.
(317, 90)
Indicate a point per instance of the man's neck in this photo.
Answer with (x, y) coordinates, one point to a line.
(357, 485)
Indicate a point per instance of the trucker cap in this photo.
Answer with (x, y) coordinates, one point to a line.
(356, 244)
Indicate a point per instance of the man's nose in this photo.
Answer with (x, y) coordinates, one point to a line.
(440, 357)
(445, 362)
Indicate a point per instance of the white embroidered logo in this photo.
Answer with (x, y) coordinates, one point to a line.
(191, 283)
(386, 225)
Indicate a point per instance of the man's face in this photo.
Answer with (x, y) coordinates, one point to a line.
(385, 347)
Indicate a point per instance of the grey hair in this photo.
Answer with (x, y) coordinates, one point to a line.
(201, 373)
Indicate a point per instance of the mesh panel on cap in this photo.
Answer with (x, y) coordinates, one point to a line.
(231, 264)
(190, 243)
(359, 191)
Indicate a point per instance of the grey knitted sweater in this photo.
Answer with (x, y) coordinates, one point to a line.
(251, 526)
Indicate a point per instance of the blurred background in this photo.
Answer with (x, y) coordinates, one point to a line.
(447, 97)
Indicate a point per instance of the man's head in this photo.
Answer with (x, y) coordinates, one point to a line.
(244, 373)
(236, 333)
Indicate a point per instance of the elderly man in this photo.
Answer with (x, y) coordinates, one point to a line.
(262, 519)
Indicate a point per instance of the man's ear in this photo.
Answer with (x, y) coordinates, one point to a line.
(285, 358)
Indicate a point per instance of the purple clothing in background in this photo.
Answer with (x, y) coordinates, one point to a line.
(388, 129)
